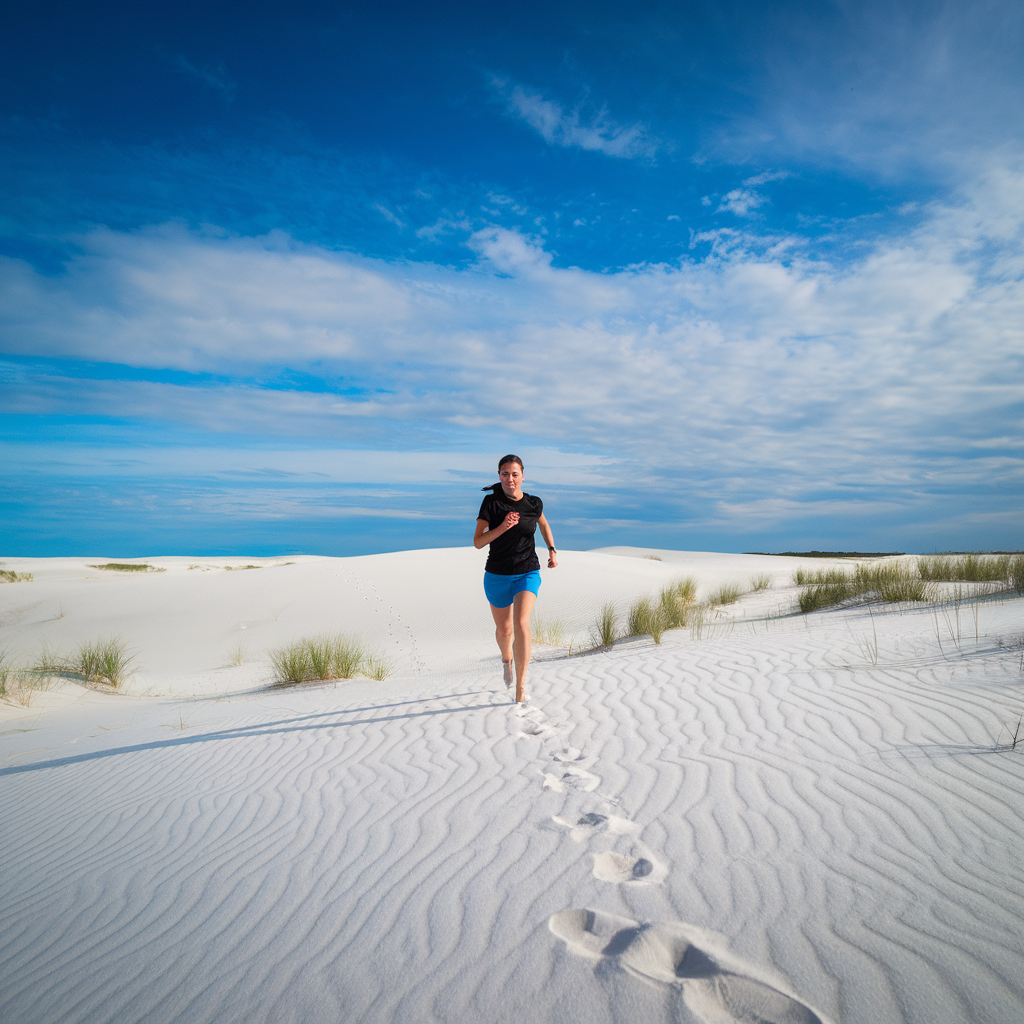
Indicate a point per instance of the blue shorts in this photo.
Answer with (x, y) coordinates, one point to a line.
(501, 589)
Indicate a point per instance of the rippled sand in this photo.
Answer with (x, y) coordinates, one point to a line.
(790, 819)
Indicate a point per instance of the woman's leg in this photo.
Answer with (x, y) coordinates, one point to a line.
(522, 606)
(503, 630)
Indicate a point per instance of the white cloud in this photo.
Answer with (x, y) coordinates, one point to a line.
(756, 367)
(741, 201)
(765, 177)
(561, 127)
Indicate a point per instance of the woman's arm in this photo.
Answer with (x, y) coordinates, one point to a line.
(545, 532)
(484, 534)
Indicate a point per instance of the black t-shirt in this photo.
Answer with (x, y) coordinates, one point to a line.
(513, 552)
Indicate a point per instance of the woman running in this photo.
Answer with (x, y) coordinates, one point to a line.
(507, 520)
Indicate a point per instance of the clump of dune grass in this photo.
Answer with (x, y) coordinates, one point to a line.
(698, 620)
(128, 567)
(237, 653)
(604, 630)
(327, 656)
(812, 577)
(550, 633)
(234, 568)
(8, 576)
(646, 618)
(727, 593)
(762, 581)
(677, 602)
(824, 595)
(1006, 569)
(1015, 574)
(16, 684)
(99, 661)
(377, 667)
(968, 568)
(888, 582)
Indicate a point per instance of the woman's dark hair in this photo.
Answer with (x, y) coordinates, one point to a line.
(501, 462)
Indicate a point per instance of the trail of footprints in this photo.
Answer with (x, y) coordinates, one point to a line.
(713, 985)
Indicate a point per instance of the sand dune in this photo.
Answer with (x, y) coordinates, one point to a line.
(783, 819)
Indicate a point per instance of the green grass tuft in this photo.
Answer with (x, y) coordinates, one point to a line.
(824, 595)
(727, 593)
(605, 629)
(1007, 569)
(677, 602)
(647, 618)
(99, 661)
(1015, 574)
(760, 582)
(128, 567)
(879, 581)
(378, 668)
(329, 656)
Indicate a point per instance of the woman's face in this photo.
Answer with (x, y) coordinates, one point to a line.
(511, 476)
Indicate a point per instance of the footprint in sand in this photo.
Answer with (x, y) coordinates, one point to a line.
(639, 865)
(713, 985)
(614, 867)
(567, 754)
(571, 778)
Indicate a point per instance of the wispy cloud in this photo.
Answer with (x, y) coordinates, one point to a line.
(388, 215)
(214, 76)
(915, 89)
(744, 200)
(559, 126)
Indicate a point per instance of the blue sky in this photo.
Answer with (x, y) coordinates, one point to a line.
(728, 276)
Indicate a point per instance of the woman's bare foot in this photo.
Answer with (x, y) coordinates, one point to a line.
(507, 670)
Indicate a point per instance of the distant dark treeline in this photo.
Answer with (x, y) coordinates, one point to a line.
(828, 554)
(869, 554)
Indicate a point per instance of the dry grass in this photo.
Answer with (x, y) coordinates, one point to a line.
(237, 653)
(18, 685)
(235, 568)
(550, 633)
(762, 581)
(7, 576)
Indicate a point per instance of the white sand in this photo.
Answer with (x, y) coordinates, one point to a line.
(784, 819)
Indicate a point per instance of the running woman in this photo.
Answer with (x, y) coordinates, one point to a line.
(507, 521)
